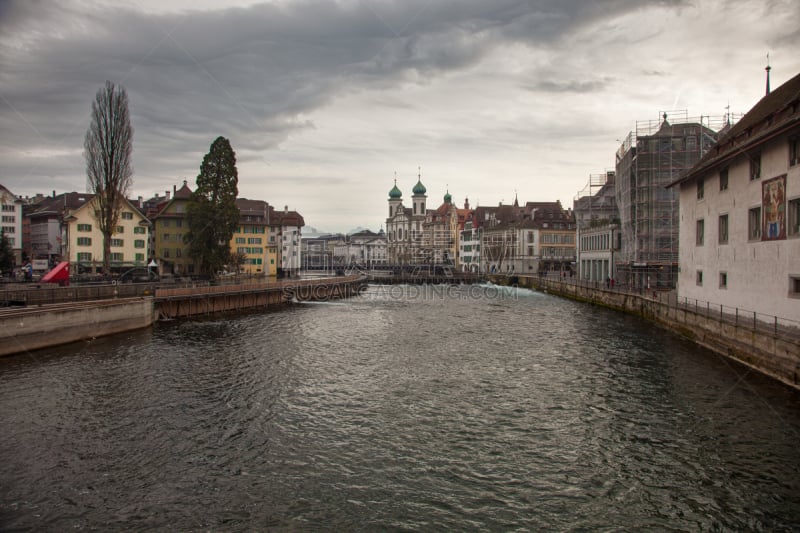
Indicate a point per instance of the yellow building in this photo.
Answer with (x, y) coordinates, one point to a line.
(83, 242)
(251, 238)
(169, 227)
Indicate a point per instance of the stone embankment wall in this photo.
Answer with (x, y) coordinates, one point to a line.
(27, 329)
(43, 325)
(185, 302)
(775, 352)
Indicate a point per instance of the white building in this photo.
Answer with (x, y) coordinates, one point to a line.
(740, 212)
(11, 215)
(470, 248)
(597, 246)
(290, 224)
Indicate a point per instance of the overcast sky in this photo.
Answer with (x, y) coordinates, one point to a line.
(323, 101)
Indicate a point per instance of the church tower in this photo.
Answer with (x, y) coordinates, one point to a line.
(395, 199)
(419, 196)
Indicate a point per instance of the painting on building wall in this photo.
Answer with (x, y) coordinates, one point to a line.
(773, 201)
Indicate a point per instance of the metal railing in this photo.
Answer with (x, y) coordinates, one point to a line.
(736, 316)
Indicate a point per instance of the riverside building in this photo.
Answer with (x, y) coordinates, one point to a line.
(740, 212)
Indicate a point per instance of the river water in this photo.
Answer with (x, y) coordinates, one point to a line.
(406, 408)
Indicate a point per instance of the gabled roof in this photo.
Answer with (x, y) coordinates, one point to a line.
(92, 197)
(253, 211)
(773, 115)
(60, 203)
(184, 193)
(286, 218)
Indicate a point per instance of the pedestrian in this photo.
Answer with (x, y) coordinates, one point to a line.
(608, 282)
(612, 283)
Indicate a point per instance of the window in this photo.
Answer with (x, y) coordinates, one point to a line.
(754, 224)
(116, 256)
(794, 216)
(84, 241)
(139, 258)
(8, 207)
(178, 252)
(755, 166)
(165, 223)
(138, 243)
(701, 186)
(699, 237)
(723, 229)
(140, 230)
(119, 229)
(723, 280)
(165, 252)
(9, 219)
(84, 227)
(794, 286)
(84, 256)
(126, 215)
(794, 151)
(117, 243)
(240, 240)
(699, 278)
(179, 223)
(723, 179)
(165, 237)
(691, 143)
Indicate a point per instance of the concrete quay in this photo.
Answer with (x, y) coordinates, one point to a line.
(24, 329)
(31, 328)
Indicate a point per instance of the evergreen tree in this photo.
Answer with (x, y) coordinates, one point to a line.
(6, 254)
(211, 213)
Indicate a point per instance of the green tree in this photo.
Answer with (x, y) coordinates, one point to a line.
(6, 254)
(211, 213)
(107, 148)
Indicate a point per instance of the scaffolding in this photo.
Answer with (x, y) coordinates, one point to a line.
(651, 157)
(596, 203)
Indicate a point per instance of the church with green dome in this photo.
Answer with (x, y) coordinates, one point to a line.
(417, 235)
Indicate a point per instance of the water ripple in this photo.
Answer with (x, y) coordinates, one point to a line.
(404, 409)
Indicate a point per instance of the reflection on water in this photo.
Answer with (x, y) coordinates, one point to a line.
(405, 408)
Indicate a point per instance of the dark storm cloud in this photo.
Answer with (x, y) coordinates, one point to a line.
(253, 74)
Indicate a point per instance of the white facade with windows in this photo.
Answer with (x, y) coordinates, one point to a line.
(740, 213)
(11, 216)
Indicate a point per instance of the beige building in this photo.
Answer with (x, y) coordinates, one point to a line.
(82, 241)
(740, 213)
(169, 226)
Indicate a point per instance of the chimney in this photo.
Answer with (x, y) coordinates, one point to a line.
(141, 202)
(173, 189)
(466, 203)
(54, 193)
(166, 195)
(285, 209)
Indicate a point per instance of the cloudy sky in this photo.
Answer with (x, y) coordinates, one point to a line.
(325, 100)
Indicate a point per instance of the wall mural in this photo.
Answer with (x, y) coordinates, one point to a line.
(773, 205)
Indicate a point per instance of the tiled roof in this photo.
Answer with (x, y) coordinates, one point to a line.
(775, 113)
(57, 205)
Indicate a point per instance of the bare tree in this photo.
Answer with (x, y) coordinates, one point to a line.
(108, 147)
